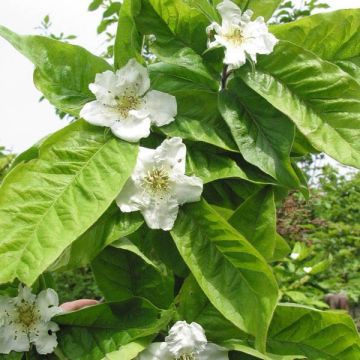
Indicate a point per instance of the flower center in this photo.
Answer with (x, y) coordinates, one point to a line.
(127, 103)
(27, 314)
(157, 181)
(186, 357)
(235, 36)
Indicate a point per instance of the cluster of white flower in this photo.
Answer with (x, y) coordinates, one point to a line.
(157, 187)
(26, 320)
(184, 342)
(242, 38)
(125, 104)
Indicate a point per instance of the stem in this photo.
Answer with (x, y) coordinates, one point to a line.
(43, 281)
(59, 354)
(224, 77)
(27, 355)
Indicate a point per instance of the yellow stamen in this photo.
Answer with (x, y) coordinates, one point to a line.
(157, 181)
(186, 357)
(28, 314)
(127, 103)
(235, 36)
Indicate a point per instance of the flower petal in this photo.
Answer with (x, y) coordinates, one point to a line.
(133, 76)
(132, 128)
(104, 88)
(161, 214)
(145, 162)
(161, 106)
(13, 339)
(45, 337)
(25, 294)
(258, 40)
(99, 114)
(6, 340)
(155, 351)
(213, 352)
(130, 198)
(185, 339)
(235, 56)
(172, 154)
(230, 13)
(187, 188)
(48, 304)
(6, 309)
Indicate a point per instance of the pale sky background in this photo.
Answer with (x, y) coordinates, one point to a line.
(23, 120)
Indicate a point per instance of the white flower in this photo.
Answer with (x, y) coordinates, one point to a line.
(124, 103)
(294, 255)
(159, 185)
(307, 269)
(25, 320)
(241, 37)
(185, 342)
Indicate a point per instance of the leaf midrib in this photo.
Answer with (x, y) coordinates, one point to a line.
(30, 238)
(306, 104)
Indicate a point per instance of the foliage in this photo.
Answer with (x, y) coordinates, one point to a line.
(76, 284)
(45, 29)
(223, 265)
(110, 16)
(288, 11)
(325, 232)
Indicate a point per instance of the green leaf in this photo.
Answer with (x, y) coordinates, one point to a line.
(196, 120)
(223, 212)
(114, 8)
(263, 135)
(128, 41)
(95, 4)
(94, 332)
(256, 220)
(263, 8)
(242, 348)
(210, 166)
(159, 247)
(193, 305)
(282, 248)
(220, 193)
(122, 274)
(322, 100)
(130, 350)
(174, 23)
(318, 335)
(232, 274)
(47, 203)
(126, 244)
(179, 30)
(189, 74)
(111, 226)
(63, 71)
(104, 24)
(12, 356)
(205, 8)
(339, 34)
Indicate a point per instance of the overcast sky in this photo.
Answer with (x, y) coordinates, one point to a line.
(23, 120)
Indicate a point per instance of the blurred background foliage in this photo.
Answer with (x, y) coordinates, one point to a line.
(323, 231)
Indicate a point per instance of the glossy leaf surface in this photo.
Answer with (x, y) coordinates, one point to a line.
(79, 165)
